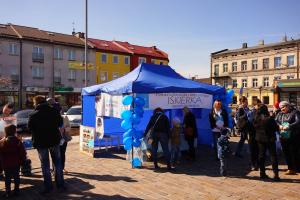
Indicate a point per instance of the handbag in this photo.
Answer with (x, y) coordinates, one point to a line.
(149, 135)
(189, 132)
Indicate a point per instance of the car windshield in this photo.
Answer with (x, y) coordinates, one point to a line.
(23, 114)
(74, 111)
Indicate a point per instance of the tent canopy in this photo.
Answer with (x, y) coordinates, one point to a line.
(151, 78)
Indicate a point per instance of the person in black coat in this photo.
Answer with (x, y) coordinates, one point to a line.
(44, 123)
(190, 131)
(265, 135)
(218, 118)
(161, 132)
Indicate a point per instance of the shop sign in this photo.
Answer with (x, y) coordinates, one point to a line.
(80, 65)
(8, 89)
(289, 84)
(37, 89)
(63, 89)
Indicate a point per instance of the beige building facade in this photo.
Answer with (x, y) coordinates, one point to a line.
(254, 71)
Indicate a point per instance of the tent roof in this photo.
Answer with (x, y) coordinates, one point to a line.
(150, 78)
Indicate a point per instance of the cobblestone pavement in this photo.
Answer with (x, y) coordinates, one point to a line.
(111, 177)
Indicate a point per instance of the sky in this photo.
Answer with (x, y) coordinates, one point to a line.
(188, 30)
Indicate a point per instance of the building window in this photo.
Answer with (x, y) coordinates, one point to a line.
(115, 59)
(244, 65)
(266, 100)
(254, 100)
(234, 66)
(72, 55)
(142, 60)
(225, 83)
(38, 54)
(13, 49)
(234, 83)
(115, 75)
(216, 70)
(225, 67)
(277, 62)
(57, 75)
(290, 60)
(127, 60)
(153, 61)
(103, 58)
(289, 77)
(254, 82)
(37, 72)
(266, 63)
(254, 64)
(244, 83)
(103, 76)
(58, 54)
(276, 78)
(72, 74)
(266, 82)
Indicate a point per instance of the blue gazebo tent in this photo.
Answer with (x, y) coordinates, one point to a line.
(149, 78)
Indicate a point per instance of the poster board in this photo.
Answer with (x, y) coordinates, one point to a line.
(86, 140)
(4, 121)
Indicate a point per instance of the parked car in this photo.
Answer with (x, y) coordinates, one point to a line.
(22, 117)
(74, 116)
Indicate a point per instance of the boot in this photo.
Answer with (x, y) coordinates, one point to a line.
(263, 175)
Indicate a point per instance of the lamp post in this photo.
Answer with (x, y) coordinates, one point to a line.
(260, 88)
(85, 45)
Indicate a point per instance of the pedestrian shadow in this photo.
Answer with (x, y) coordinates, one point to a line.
(100, 177)
(76, 189)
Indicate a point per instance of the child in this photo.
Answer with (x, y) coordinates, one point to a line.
(175, 141)
(12, 153)
(223, 150)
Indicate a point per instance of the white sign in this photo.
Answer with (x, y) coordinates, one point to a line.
(179, 100)
(99, 127)
(109, 105)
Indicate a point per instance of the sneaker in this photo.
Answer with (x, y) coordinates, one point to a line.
(290, 172)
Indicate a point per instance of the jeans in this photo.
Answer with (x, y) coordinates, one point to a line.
(271, 147)
(216, 135)
(253, 146)
(175, 153)
(164, 141)
(45, 164)
(9, 174)
(63, 149)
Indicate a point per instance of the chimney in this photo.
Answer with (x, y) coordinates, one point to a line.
(261, 43)
(284, 38)
(79, 35)
(154, 47)
(244, 45)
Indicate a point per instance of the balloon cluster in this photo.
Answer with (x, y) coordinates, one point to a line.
(226, 99)
(131, 118)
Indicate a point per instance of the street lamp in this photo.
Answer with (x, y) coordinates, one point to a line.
(85, 43)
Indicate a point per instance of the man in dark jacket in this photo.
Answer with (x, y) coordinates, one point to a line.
(161, 130)
(44, 125)
(190, 131)
(265, 136)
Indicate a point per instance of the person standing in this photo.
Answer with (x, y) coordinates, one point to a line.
(43, 124)
(288, 120)
(190, 131)
(218, 119)
(175, 141)
(161, 133)
(13, 154)
(265, 136)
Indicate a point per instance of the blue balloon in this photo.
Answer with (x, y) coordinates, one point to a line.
(139, 101)
(136, 162)
(138, 134)
(126, 124)
(139, 111)
(129, 133)
(126, 139)
(230, 92)
(136, 143)
(127, 146)
(126, 114)
(136, 119)
(127, 100)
